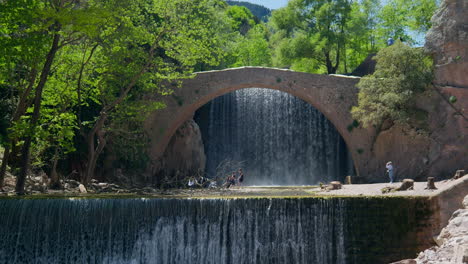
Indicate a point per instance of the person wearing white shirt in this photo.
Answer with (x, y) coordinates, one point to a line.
(389, 167)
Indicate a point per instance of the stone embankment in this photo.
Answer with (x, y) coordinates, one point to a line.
(452, 242)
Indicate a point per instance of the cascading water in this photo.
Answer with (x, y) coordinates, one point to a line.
(173, 231)
(277, 138)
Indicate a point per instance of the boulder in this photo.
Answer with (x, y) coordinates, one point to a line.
(335, 185)
(447, 40)
(184, 156)
(82, 188)
(72, 183)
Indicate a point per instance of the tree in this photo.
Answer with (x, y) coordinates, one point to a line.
(61, 22)
(330, 36)
(401, 73)
(119, 51)
(260, 12)
(253, 49)
(240, 18)
(22, 45)
(151, 42)
(361, 33)
(314, 30)
(399, 17)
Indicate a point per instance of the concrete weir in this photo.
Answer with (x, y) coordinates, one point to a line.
(243, 225)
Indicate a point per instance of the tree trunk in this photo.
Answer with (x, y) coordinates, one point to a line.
(97, 130)
(6, 156)
(54, 177)
(19, 112)
(430, 184)
(345, 58)
(94, 152)
(328, 63)
(25, 151)
(337, 64)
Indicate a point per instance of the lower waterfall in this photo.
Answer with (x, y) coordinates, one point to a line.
(172, 231)
(252, 230)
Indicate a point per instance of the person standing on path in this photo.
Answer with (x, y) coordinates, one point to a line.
(389, 167)
(241, 177)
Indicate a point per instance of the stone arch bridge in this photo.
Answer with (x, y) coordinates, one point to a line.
(333, 95)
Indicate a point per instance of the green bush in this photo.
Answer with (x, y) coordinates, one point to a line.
(401, 73)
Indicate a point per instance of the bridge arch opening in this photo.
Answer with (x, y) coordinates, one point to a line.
(277, 138)
(331, 95)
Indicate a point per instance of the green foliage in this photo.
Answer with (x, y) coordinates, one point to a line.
(401, 73)
(312, 36)
(336, 36)
(112, 55)
(241, 19)
(259, 11)
(253, 49)
(453, 99)
(398, 17)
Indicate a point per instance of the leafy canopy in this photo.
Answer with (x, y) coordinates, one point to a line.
(401, 73)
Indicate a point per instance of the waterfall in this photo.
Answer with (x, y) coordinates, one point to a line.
(172, 231)
(275, 137)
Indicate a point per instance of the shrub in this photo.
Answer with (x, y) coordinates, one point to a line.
(401, 73)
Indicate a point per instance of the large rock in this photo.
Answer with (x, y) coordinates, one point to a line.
(184, 156)
(454, 242)
(82, 188)
(447, 40)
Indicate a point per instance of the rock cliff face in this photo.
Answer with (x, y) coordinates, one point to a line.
(447, 40)
(185, 154)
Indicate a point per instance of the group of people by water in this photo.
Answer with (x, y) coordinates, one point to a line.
(237, 178)
(233, 179)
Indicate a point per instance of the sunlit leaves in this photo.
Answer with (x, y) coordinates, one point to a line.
(253, 50)
(111, 55)
(402, 72)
